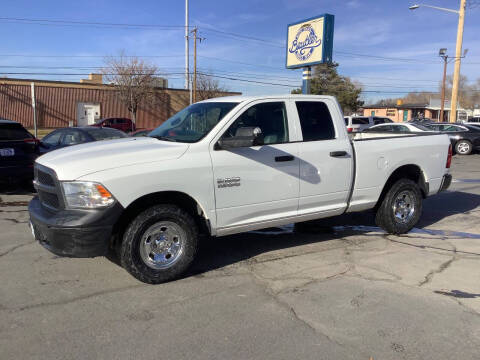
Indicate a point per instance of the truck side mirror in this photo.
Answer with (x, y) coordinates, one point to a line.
(244, 137)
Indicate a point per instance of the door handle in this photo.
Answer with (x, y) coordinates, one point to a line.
(284, 158)
(338, 153)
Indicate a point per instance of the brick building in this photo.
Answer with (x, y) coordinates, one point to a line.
(62, 104)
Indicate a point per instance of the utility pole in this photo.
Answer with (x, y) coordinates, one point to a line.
(458, 58)
(195, 65)
(195, 38)
(187, 66)
(444, 56)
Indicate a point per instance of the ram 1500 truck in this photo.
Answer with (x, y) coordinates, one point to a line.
(225, 166)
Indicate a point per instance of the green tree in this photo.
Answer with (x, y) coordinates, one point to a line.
(327, 81)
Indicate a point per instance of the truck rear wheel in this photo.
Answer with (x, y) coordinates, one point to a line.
(401, 207)
(159, 244)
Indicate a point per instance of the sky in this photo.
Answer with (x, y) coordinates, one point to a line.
(382, 44)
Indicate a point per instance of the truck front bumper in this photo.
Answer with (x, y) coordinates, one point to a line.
(446, 181)
(73, 233)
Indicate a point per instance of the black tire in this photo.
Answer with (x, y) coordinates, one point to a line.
(130, 254)
(385, 216)
(463, 147)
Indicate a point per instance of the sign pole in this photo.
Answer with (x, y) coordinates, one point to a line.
(306, 80)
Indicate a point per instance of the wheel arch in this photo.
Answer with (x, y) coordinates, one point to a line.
(409, 171)
(183, 200)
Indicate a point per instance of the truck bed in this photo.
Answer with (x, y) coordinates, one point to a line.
(377, 155)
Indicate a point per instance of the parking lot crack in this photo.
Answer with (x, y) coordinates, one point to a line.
(443, 266)
(263, 283)
(15, 248)
(15, 221)
(78, 298)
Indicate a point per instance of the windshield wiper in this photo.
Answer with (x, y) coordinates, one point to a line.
(165, 138)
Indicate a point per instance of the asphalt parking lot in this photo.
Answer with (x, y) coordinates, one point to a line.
(344, 290)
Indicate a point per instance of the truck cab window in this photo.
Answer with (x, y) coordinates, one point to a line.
(315, 121)
(270, 117)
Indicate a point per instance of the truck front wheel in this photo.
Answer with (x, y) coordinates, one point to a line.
(401, 207)
(159, 244)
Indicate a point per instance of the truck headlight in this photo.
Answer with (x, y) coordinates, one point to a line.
(86, 195)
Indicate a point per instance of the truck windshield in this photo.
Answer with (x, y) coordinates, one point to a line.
(193, 123)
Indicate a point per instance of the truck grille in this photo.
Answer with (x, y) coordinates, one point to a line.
(47, 187)
(44, 178)
(48, 199)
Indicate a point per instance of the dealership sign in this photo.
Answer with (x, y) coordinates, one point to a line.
(310, 41)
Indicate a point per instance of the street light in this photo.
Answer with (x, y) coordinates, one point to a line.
(458, 51)
(416, 6)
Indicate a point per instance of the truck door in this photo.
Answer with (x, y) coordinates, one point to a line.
(258, 183)
(326, 159)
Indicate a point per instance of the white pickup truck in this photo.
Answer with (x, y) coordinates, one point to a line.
(225, 166)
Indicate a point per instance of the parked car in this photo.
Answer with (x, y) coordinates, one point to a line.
(123, 124)
(474, 119)
(398, 128)
(464, 138)
(474, 124)
(140, 132)
(18, 151)
(359, 123)
(77, 135)
(224, 166)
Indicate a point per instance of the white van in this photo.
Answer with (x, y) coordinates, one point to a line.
(359, 123)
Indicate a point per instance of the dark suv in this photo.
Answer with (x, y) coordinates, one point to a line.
(124, 124)
(18, 151)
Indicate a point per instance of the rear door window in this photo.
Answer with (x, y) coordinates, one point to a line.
(97, 133)
(359, 121)
(13, 132)
(400, 128)
(383, 128)
(453, 128)
(379, 120)
(112, 134)
(315, 120)
(72, 137)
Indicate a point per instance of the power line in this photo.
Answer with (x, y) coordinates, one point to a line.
(232, 78)
(90, 23)
(88, 56)
(167, 72)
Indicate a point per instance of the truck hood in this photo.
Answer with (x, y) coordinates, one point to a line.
(79, 160)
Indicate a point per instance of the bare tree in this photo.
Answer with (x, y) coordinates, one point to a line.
(134, 79)
(208, 87)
